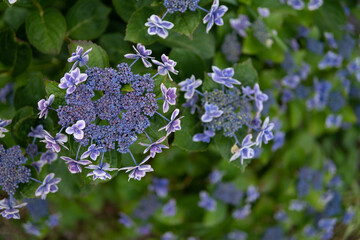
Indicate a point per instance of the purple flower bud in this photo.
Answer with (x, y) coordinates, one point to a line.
(43, 106)
(204, 137)
(169, 96)
(214, 15)
(92, 151)
(158, 26)
(189, 86)
(211, 111)
(141, 52)
(48, 185)
(100, 171)
(224, 76)
(76, 57)
(76, 129)
(71, 80)
(167, 66)
(74, 165)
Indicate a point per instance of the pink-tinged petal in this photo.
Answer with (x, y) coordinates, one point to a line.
(51, 99)
(165, 107)
(84, 162)
(81, 124)
(69, 130)
(70, 90)
(79, 134)
(82, 78)
(61, 138)
(163, 89)
(87, 51)
(167, 24)
(174, 114)
(162, 32)
(152, 30)
(131, 56)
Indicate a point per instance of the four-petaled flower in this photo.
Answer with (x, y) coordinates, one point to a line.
(189, 86)
(37, 132)
(204, 137)
(214, 15)
(48, 157)
(211, 111)
(71, 80)
(77, 129)
(138, 171)
(43, 106)
(10, 207)
(92, 151)
(54, 142)
(100, 171)
(73, 165)
(154, 147)
(174, 123)
(169, 96)
(207, 202)
(158, 26)
(3, 124)
(260, 97)
(141, 52)
(166, 66)
(224, 76)
(76, 57)
(48, 185)
(265, 133)
(245, 152)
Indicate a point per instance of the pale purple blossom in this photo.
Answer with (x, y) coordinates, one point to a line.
(240, 24)
(48, 185)
(92, 151)
(48, 157)
(74, 165)
(245, 151)
(138, 171)
(174, 124)
(215, 15)
(259, 97)
(10, 208)
(333, 121)
(154, 147)
(3, 124)
(169, 96)
(43, 106)
(100, 171)
(331, 59)
(211, 111)
(207, 202)
(315, 4)
(215, 176)
(203, 137)
(191, 103)
(330, 40)
(224, 76)
(296, 4)
(71, 80)
(31, 229)
(264, 12)
(36, 132)
(158, 26)
(77, 129)
(54, 142)
(170, 208)
(265, 133)
(291, 81)
(252, 194)
(297, 205)
(189, 86)
(141, 52)
(167, 66)
(79, 57)
(125, 220)
(160, 186)
(242, 212)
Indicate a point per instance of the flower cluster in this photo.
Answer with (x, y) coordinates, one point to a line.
(229, 110)
(300, 5)
(107, 109)
(158, 26)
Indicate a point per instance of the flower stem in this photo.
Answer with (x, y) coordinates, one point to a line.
(34, 140)
(133, 158)
(148, 137)
(134, 62)
(35, 180)
(159, 98)
(77, 153)
(163, 116)
(200, 93)
(202, 9)
(102, 158)
(237, 140)
(154, 75)
(164, 15)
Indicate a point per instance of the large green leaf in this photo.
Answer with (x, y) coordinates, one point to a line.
(87, 19)
(126, 8)
(52, 87)
(7, 47)
(185, 23)
(15, 16)
(246, 73)
(115, 46)
(46, 30)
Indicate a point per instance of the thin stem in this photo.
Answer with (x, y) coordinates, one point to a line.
(102, 158)
(35, 180)
(164, 15)
(34, 140)
(59, 132)
(202, 9)
(38, 6)
(91, 141)
(134, 62)
(159, 98)
(155, 75)
(133, 158)
(52, 109)
(148, 137)
(11, 198)
(200, 93)
(163, 116)
(237, 140)
(77, 153)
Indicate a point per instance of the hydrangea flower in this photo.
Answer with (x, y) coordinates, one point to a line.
(174, 124)
(36, 132)
(296, 4)
(48, 157)
(331, 59)
(100, 171)
(191, 103)
(79, 57)
(242, 212)
(77, 129)
(291, 81)
(297, 205)
(141, 52)
(211, 111)
(71, 80)
(245, 152)
(330, 39)
(74, 165)
(224, 76)
(92, 151)
(169, 96)
(264, 12)
(160, 186)
(43, 106)
(3, 124)
(215, 176)
(10, 208)
(189, 86)
(48, 185)
(265, 133)
(170, 208)
(231, 48)
(252, 194)
(240, 24)
(203, 137)
(207, 202)
(333, 121)
(154, 147)
(167, 66)
(228, 193)
(259, 97)
(315, 4)
(55, 142)
(158, 26)
(32, 229)
(214, 15)
(138, 171)
(125, 220)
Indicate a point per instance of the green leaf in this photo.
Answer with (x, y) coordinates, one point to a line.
(190, 125)
(115, 46)
(21, 123)
(52, 87)
(46, 31)
(15, 16)
(246, 73)
(23, 58)
(7, 47)
(185, 23)
(87, 19)
(215, 217)
(126, 8)
(97, 57)
(136, 31)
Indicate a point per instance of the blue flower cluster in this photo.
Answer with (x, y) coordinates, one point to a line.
(158, 26)
(229, 110)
